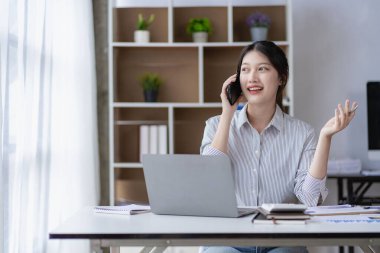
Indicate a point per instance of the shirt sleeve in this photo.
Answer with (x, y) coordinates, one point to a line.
(208, 136)
(309, 190)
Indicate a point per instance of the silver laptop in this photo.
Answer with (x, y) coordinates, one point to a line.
(194, 185)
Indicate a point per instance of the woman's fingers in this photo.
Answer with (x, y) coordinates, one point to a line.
(342, 115)
(229, 80)
(345, 115)
(336, 117)
(347, 107)
(355, 106)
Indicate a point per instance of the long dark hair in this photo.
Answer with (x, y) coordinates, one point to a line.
(276, 57)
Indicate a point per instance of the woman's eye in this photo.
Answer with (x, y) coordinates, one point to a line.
(244, 69)
(261, 69)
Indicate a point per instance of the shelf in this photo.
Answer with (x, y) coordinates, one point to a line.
(191, 44)
(190, 120)
(126, 136)
(216, 15)
(130, 185)
(166, 105)
(277, 30)
(192, 74)
(127, 165)
(248, 3)
(126, 21)
(179, 74)
(139, 122)
(219, 64)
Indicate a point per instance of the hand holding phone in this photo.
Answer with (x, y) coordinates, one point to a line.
(233, 92)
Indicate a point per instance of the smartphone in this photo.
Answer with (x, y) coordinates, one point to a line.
(233, 91)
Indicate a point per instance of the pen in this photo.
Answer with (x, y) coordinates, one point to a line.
(255, 214)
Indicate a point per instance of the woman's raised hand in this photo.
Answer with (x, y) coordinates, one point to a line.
(342, 118)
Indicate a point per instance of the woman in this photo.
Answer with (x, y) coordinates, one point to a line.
(275, 157)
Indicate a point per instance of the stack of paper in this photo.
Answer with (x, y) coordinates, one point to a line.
(339, 210)
(344, 166)
(283, 207)
(348, 219)
(371, 172)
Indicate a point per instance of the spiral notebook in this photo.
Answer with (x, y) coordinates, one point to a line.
(128, 210)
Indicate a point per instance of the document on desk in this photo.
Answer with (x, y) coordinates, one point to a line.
(128, 210)
(339, 210)
(359, 218)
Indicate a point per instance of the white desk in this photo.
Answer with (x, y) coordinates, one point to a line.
(156, 232)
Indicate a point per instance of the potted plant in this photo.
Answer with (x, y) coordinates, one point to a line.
(199, 28)
(142, 34)
(259, 24)
(150, 82)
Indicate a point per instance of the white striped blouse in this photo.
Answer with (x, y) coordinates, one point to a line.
(271, 167)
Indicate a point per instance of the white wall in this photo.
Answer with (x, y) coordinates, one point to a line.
(336, 51)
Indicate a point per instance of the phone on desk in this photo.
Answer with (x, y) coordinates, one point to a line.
(233, 91)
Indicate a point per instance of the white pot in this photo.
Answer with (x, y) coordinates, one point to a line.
(200, 37)
(259, 33)
(142, 36)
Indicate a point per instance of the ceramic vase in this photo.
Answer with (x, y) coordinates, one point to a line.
(259, 33)
(142, 36)
(200, 37)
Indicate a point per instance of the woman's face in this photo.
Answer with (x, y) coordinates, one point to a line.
(259, 79)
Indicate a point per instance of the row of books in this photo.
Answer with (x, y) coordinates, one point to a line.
(153, 139)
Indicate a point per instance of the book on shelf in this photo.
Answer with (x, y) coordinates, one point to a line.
(153, 139)
(162, 139)
(144, 140)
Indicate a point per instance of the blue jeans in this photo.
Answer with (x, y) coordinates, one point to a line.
(225, 249)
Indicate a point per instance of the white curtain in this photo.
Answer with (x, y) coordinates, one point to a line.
(49, 148)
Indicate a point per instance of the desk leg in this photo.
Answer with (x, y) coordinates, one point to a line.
(95, 246)
(146, 250)
(115, 249)
(340, 191)
(367, 249)
(153, 249)
(350, 191)
(159, 249)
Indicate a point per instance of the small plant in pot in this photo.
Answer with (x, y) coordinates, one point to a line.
(142, 35)
(259, 24)
(150, 82)
(200, 28)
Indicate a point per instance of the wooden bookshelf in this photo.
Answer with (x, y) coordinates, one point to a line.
(192, 75)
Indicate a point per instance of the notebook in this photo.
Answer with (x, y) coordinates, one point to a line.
(193, 185)
(128, 209)
(260, 218)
